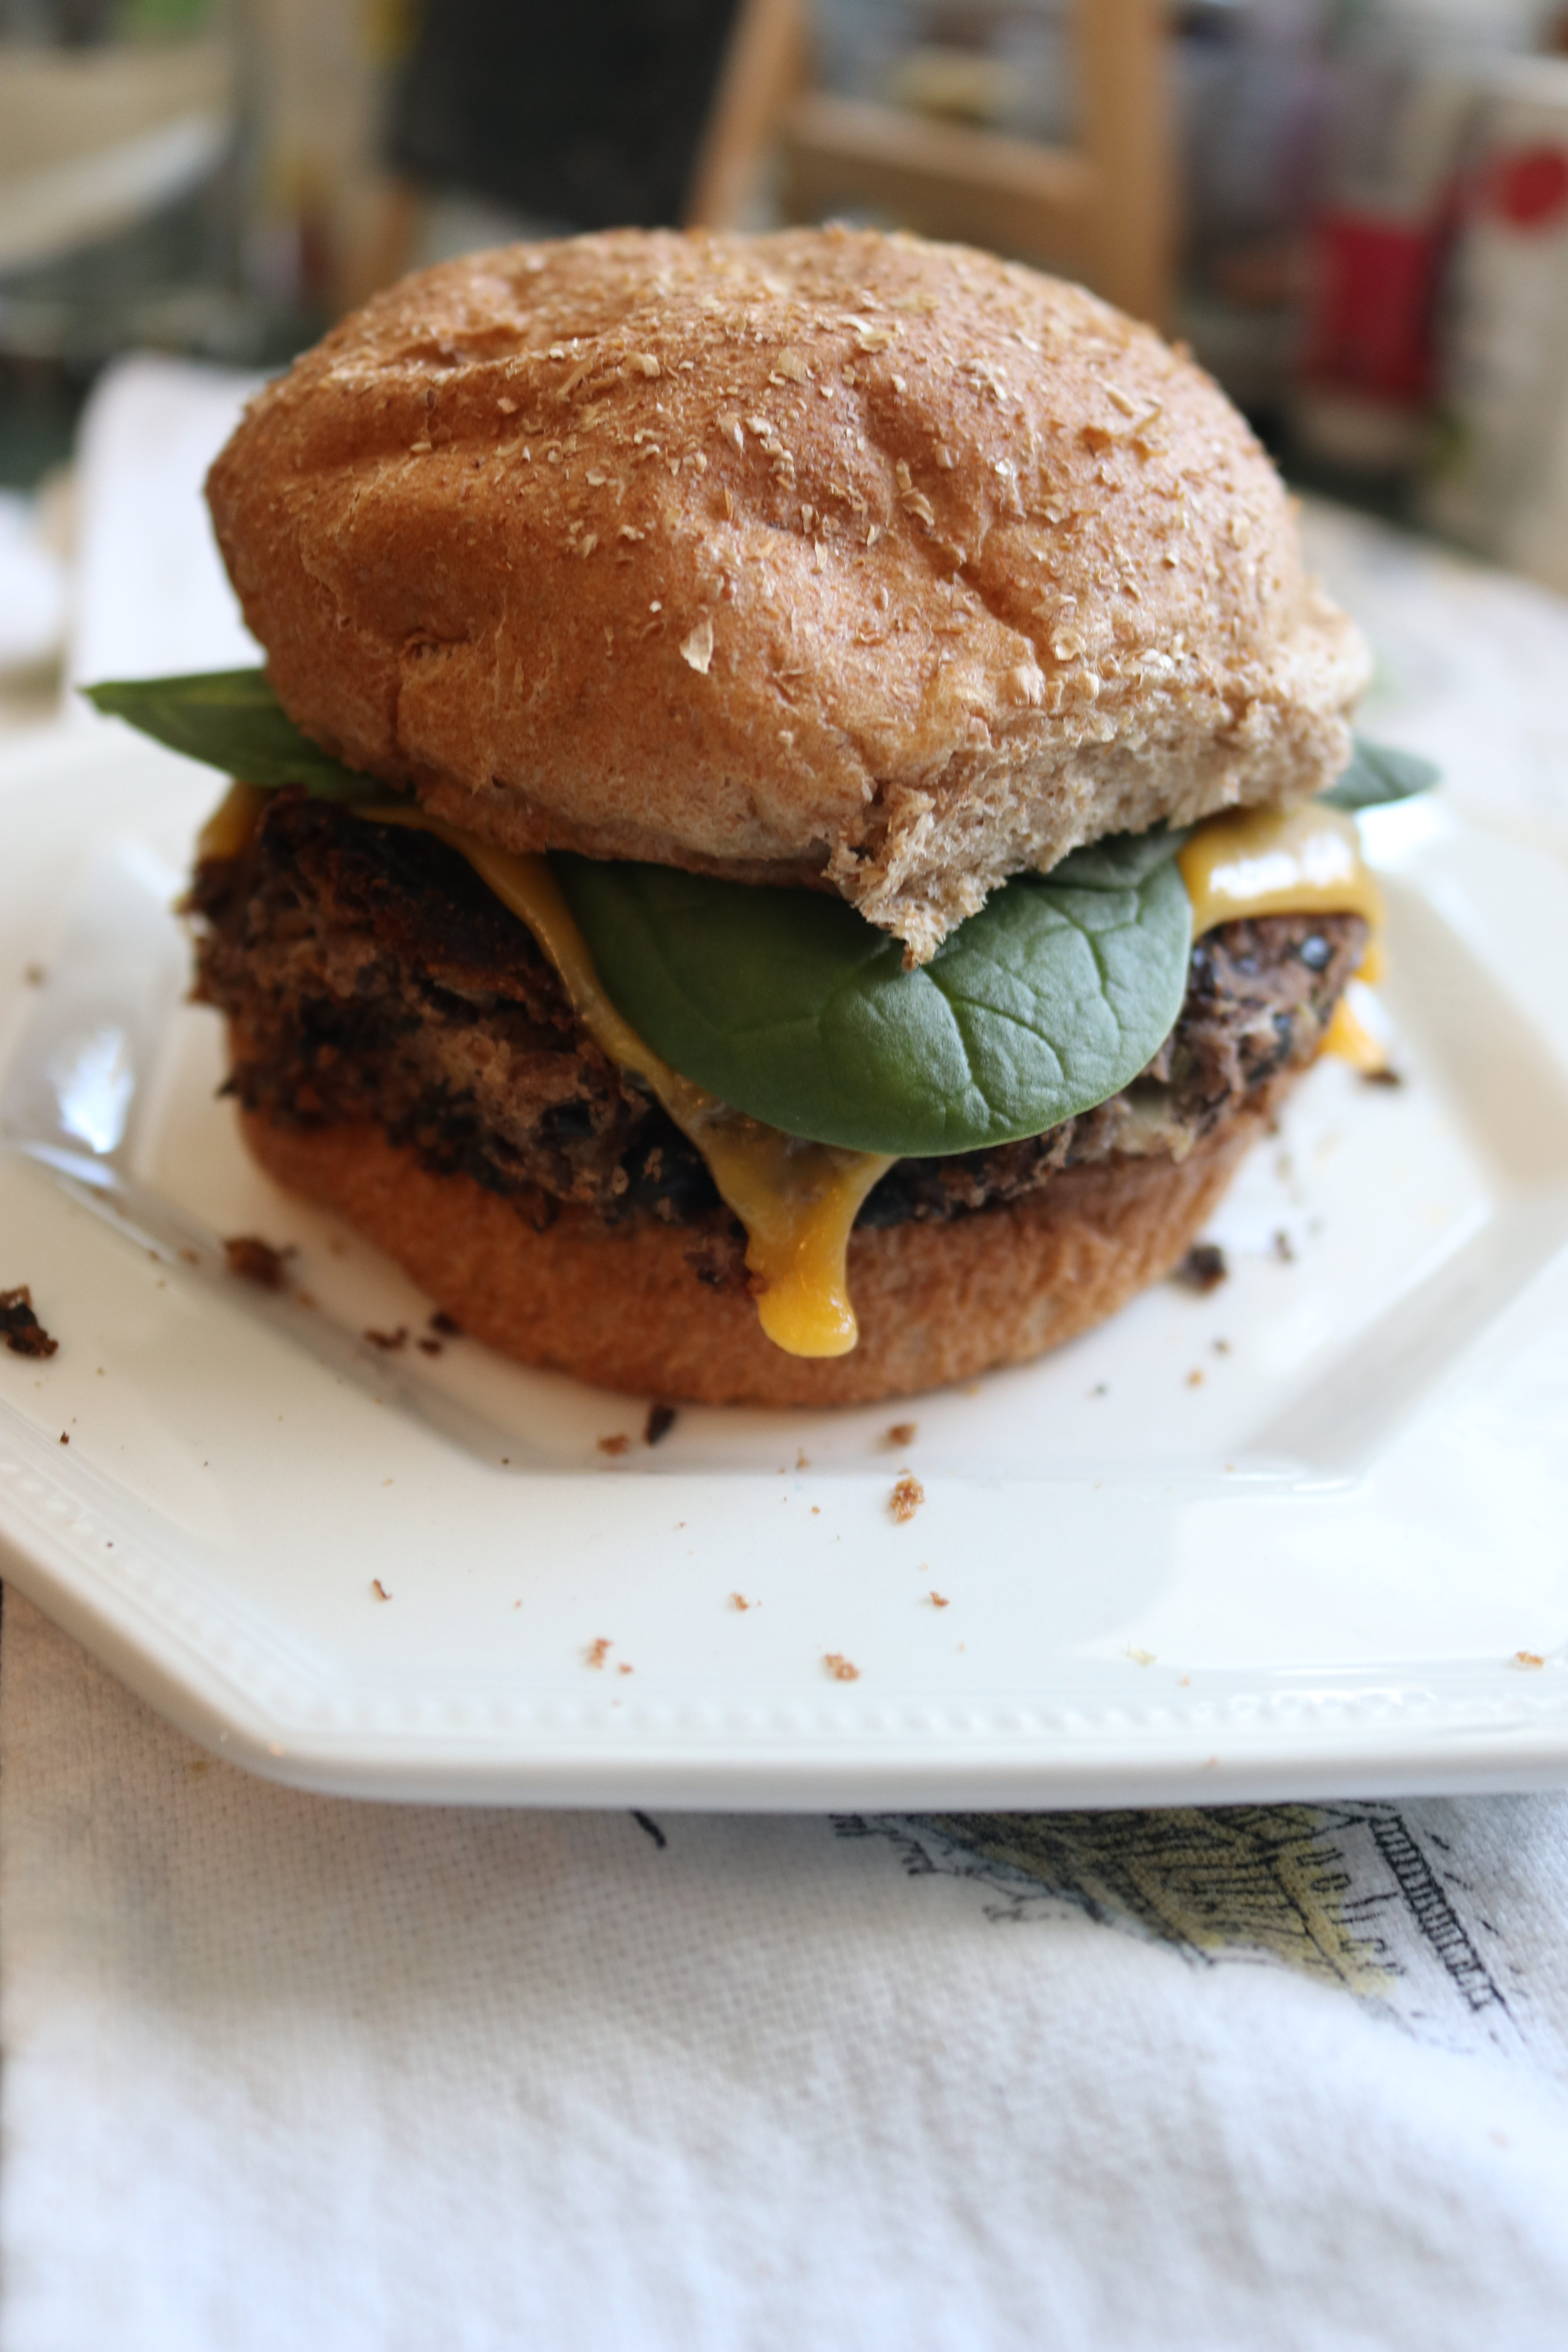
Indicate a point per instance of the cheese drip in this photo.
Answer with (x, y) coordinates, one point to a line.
(226, 833)
(1300, 861)
(797, 1200)
(1348, 1039)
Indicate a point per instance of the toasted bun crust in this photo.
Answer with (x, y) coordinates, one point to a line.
(821, 556)
(621, 1307)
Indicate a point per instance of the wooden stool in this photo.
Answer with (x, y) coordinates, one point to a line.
(1103, 211)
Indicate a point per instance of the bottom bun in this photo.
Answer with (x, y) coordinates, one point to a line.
(621, 1306)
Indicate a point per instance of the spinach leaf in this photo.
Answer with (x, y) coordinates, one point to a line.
(1378, 774)
(789, 1005)
(1120, 861)
(232, 720)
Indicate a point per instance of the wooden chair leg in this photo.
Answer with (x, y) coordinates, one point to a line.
(764, 67)
(1127, 137)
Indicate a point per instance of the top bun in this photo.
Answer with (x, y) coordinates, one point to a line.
(824, 556)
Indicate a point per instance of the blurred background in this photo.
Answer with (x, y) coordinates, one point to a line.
(1354, 211)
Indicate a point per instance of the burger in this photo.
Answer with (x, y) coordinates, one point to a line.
(780, 854)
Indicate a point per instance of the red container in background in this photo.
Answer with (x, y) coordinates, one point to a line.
(1500, 480)
(1371, 306)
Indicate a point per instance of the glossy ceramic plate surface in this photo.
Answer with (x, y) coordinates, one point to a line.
(1306, 1534)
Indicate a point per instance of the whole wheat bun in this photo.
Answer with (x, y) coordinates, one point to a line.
(621, 1307)
(824, 556)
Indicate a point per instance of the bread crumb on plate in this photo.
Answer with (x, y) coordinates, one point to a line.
(906, 1499)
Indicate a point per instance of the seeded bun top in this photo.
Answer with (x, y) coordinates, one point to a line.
(824, 556)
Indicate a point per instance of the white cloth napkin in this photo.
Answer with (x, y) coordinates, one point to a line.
(284, 2071)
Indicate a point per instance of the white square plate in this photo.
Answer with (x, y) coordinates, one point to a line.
(1307, 1534)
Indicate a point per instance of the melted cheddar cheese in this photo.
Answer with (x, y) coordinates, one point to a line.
(1348, 1039)
(1300, 861)
(228, 829)
(798, 1201)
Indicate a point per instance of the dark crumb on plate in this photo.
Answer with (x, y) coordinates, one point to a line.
(379, 1588)
(389, 1341)
(902, 1432)
(257, 1261)
(661, 1420)
(1203, 1269)
(1384, 1078)
(441, 1321)
(619, 1443)
(429, 1347)
(20, 1328)
(1284, 1247)
(65, 1438)
(189, 1256)
(906, 1499)
(839, 1667)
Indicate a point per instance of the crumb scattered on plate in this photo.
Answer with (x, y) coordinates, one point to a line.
(20, 1328)
(596, 1652)
(379, 1588)
(1284, 1247)
(1527, 1658)
(389, 1341)
(257, 1261)
(902, 1432)
(839, 1667)
(661, 1420)
(906, 1498)
(1203, 1269)
(738, 1601)
(617, 1444)
(938, 1600)
(1139, 1657)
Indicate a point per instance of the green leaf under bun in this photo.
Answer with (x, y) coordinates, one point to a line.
(1377, 774)
(232, 720)
(788, 1004)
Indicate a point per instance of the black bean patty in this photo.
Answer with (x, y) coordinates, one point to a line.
(370, 974)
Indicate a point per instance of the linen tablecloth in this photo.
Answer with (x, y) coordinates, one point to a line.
(280, 2070)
